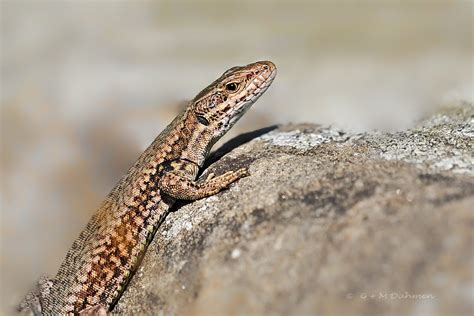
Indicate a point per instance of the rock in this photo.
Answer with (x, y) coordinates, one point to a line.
(328, 223)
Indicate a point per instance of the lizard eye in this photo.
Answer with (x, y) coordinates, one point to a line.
(232, 86)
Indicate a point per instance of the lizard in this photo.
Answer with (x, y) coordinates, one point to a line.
(102, 260)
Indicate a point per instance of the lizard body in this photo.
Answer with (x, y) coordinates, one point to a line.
(102, 260)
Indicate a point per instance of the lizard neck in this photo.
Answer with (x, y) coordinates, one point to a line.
(198, 139)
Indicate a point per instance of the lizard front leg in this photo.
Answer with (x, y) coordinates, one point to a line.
(180, 187)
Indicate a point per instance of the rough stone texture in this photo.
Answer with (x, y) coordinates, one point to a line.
(328, 223)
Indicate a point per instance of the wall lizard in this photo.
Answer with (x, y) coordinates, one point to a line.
(104, 257)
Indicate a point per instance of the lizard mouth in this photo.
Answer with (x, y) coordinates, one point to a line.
(256, 87)
(261, 83)
(263, 74)
(252, 92)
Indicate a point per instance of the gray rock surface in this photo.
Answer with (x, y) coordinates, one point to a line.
(328, 223)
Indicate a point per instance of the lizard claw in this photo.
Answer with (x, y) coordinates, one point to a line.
(243, 172)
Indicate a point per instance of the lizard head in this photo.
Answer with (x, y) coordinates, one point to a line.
(223, 102)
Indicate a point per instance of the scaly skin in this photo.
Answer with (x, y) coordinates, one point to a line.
(104, 257)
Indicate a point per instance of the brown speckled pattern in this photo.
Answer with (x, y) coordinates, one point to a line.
(104, 257)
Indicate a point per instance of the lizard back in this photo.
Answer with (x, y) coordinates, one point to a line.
(103, 257)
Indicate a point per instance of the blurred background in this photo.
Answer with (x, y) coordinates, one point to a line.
(86, 86)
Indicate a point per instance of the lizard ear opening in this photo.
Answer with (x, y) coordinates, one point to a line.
(201, 119)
